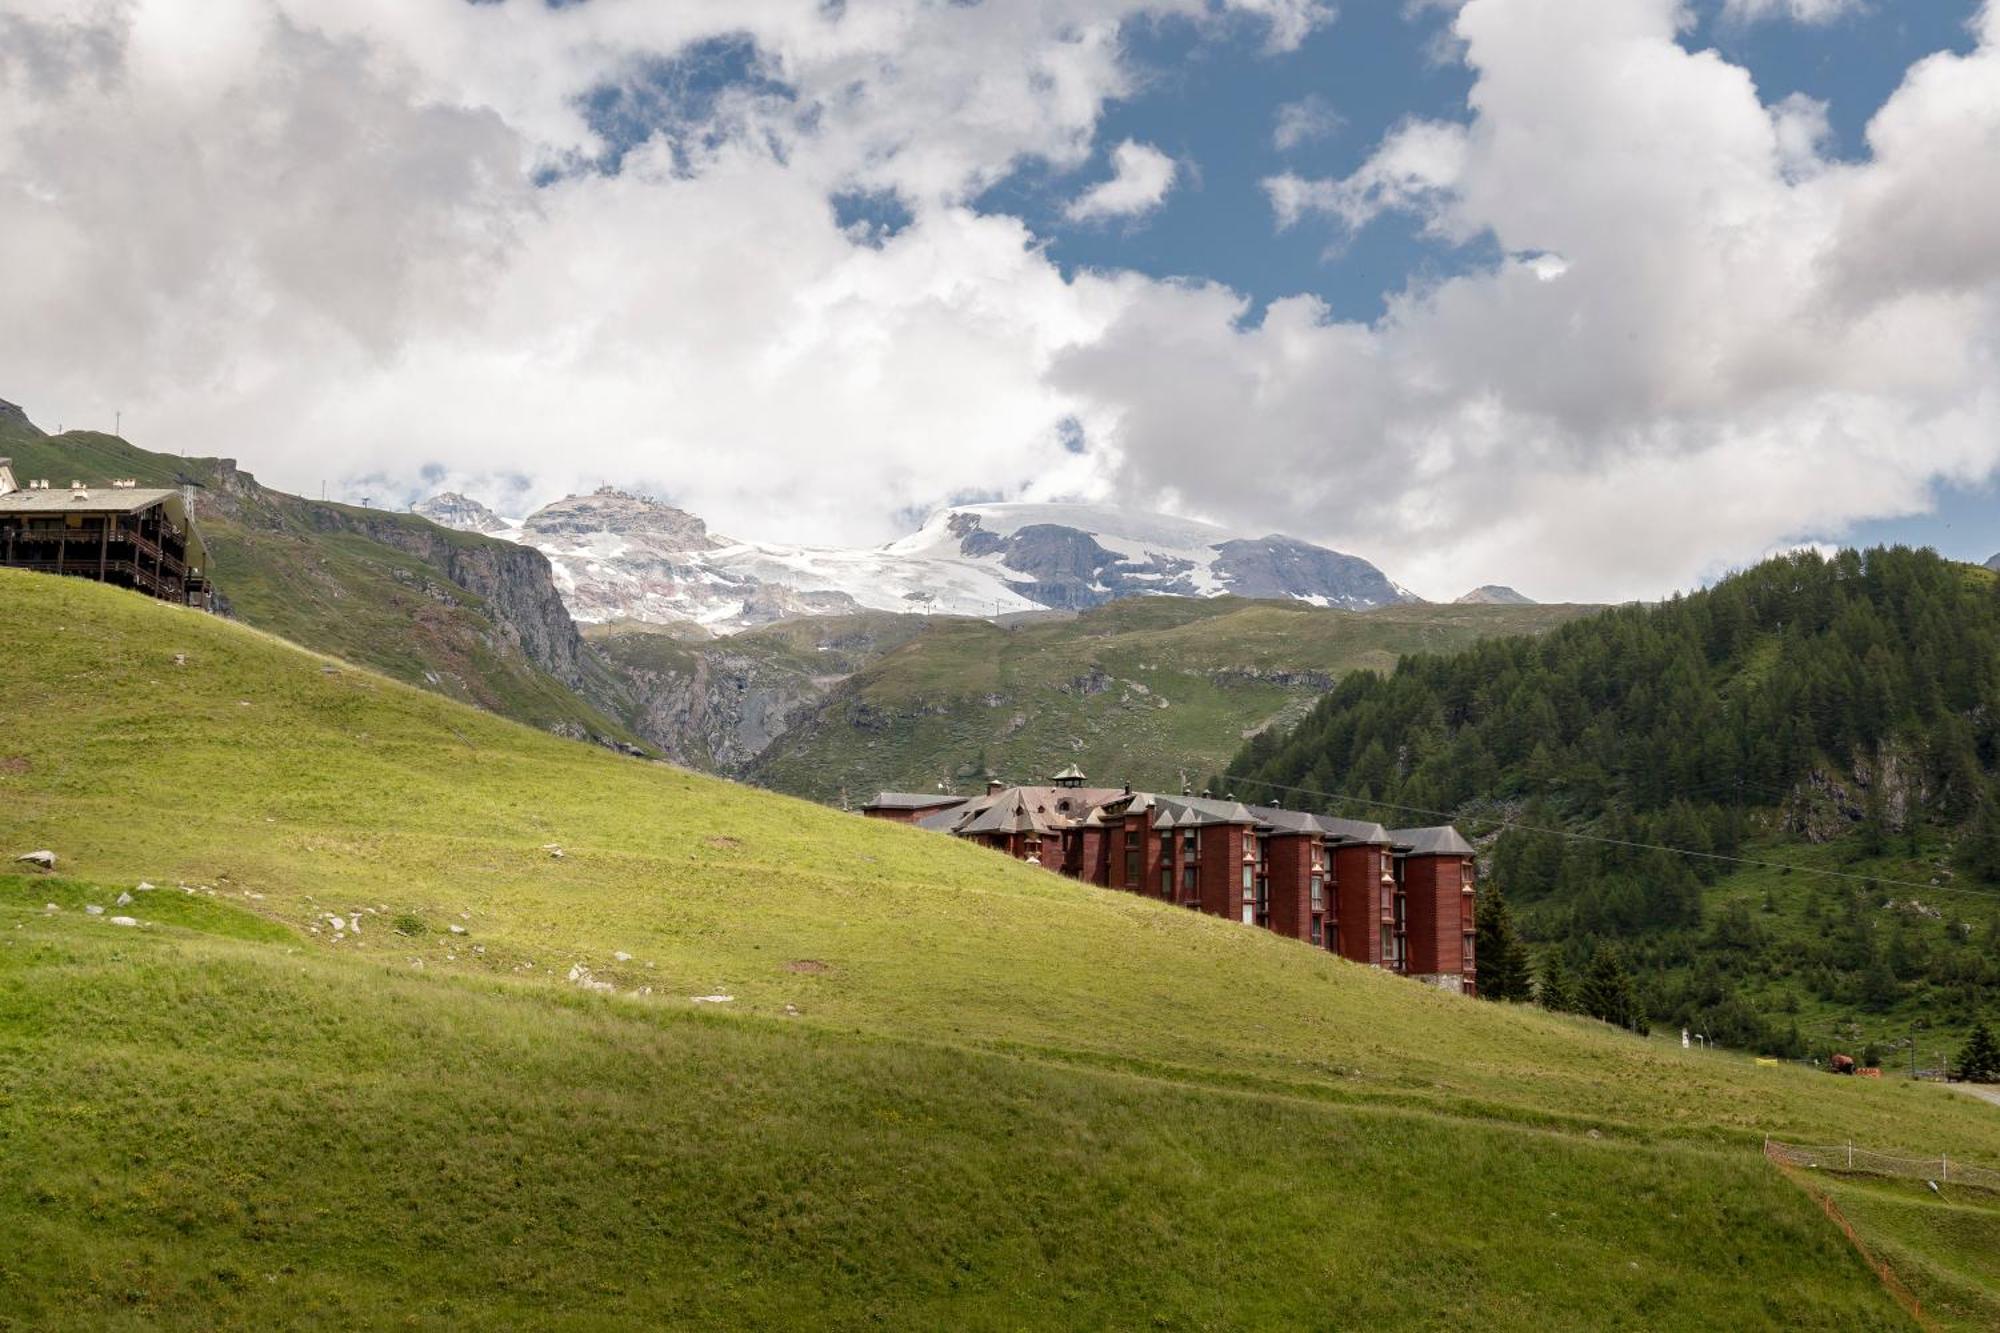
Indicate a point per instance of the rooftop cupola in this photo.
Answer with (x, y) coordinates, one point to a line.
(1071, 777)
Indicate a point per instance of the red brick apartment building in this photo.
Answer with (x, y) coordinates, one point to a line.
(1400, 899)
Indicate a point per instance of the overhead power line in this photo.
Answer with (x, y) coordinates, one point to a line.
(1575, 836)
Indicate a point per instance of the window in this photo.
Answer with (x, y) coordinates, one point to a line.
(1249, 915)
(1166, 881)
(1388, 945)
(1465, 958)
(1315, 930)
(1318, 893)
(1188, 846)
(1132, 868)
(1249, 878)
(1188, 879)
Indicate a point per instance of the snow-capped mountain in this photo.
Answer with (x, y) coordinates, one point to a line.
(623, 556)
(452, 510)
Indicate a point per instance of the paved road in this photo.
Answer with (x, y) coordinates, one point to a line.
(1984, 1092)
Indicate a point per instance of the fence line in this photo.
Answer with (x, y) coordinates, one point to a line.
(1861, 1161)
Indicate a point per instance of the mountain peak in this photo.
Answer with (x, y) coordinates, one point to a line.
(622, 514)
(1494, 594)
(450, 509)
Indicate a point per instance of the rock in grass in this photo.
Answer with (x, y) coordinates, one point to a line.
(94, 909)
(41, 860)
(124, 921)
(457, 929)
(712, 999)
(124, 900)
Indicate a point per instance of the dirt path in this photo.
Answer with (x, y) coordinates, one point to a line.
(1983, 1092)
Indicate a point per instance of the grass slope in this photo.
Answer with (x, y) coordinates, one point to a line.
(1943, 1244)
(1140, 689)
(294, 567)
(950, 1089)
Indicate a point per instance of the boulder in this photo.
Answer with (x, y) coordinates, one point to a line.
(42, 860)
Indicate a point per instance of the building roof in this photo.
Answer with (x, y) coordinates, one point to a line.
(1287, 821)
(1444, 840)
(1196, 811)
(1354, 830)
(1008, 816)
(912, 800)
(942, 821)
(90, 500)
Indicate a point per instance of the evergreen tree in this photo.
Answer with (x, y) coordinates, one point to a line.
(1979, 1061)
(1978, 852)
(1555, 992)
(1501, 958)
(1609, 991)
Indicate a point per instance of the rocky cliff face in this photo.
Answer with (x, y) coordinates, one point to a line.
(720, 710)
(718, 705)
(514, 582)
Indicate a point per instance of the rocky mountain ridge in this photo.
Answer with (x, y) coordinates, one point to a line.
(619, 556)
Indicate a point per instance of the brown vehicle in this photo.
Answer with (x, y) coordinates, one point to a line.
(1841, 1064)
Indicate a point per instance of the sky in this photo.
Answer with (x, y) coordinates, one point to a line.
(1596, 298)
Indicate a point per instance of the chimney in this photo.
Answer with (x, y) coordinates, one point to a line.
(994, 786)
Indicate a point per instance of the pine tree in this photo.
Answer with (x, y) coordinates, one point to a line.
(1608, 991)
(1555, 992)
(1979, 1061)
(1501, 958)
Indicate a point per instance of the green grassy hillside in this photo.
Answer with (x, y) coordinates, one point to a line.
(1139, 690)
(1944, 1244)
(948, 1089)
(474, 619)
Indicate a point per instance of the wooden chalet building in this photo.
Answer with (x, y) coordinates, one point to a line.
(119, 534)
(1398, 899)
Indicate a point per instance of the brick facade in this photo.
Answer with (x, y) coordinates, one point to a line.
(1398, 900)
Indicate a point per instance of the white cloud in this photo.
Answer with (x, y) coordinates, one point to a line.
(1416, 166)
(306, 235)
(1310, 118)
(1799, 11)
(1742, 344)
(1141, 175)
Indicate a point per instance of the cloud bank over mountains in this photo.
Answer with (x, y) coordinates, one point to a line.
(520, 250)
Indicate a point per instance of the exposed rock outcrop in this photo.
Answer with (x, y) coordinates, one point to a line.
(1285, 567)
(461, 512)
(1494, 594)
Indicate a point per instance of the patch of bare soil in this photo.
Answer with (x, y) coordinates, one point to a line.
(807, 965)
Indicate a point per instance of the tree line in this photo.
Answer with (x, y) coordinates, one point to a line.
(1853, 696)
